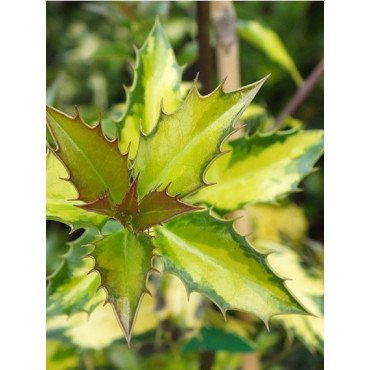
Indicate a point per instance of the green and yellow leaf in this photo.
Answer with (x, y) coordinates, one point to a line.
(210, 257)
(261, 168)
(70, 290)
(123, 261)
(58, 192)
(184, 143)
(95, 164)
(157, 77)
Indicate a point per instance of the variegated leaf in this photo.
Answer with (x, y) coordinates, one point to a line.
(59, 207)
(184, 143)
(157, 77)
(70, 290)
(95, 164)
(123, 261)
(261, 168)
(210, 257)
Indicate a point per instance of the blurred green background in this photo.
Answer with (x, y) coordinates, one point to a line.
(90, 55)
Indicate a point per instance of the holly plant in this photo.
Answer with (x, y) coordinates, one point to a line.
(153, 197)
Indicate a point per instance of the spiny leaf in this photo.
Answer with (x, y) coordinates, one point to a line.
(212, 258)
(157, 77)
(157, 207)
(129, 206)
(261, 168)
(104, 205)
(58, 192)
(95, 164)
(70, 290)
(184, 143)
(123, 261)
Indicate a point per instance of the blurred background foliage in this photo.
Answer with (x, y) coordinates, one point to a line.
(90, 55)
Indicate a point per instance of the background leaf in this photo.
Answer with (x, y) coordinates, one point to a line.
(70, 290)
(307, 286)
(269, 42)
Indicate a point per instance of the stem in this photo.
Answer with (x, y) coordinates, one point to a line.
(206, 360)
(205, 52)
(224, 22)
(227, 51)
(301, 94)
(277, 360)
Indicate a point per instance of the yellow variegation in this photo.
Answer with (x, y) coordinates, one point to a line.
(183, 144)
(70, 289)
(307, 286)
(95, 331)
(261, 168)
(210, 257)
(59, 207)
(278, 223)
(157, 77)
(99, 329)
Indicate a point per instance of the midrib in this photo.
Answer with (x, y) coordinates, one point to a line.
(170, 166)
(86, 158)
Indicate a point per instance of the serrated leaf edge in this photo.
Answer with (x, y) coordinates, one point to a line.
(101, 285)
(265, 256)
(233, 129)
(98, 126)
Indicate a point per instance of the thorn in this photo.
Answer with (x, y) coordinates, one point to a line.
(93, 269)
(77, 113)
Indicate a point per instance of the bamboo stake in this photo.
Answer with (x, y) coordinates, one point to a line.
(227, 52)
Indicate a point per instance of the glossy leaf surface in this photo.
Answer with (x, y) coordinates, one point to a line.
(123, 260)
(70, 290)
(261, 168)
(58, 192)
(95, 164)
(157, 77)
(212, 258)
(184, 143)
(269, 42)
